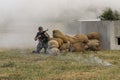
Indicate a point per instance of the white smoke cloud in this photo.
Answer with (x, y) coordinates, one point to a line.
(19, 19)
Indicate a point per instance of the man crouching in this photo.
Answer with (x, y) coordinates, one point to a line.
(43, 38)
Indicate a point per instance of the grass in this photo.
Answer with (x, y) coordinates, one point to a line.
(21, 64)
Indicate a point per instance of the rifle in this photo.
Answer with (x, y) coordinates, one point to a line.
(44, 31)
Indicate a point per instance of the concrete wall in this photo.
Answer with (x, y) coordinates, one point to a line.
(73, 27)
(115, 33)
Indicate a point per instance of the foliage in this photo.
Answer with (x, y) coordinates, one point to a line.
(109, 14)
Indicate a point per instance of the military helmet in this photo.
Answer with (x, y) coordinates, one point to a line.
(40, 28)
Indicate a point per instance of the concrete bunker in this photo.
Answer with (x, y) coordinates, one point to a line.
(109, 32)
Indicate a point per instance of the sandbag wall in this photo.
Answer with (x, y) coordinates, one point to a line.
(76, 43)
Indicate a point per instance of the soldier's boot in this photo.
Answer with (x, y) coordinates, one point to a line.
(36, 51)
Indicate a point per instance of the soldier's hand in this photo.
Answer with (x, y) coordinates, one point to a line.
(35, 39)
(39, 36)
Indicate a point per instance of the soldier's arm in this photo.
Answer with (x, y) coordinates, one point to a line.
(36, 37)
(46, 34)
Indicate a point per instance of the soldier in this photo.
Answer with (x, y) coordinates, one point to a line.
(42, 37)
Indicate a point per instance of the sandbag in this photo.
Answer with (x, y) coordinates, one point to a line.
(81, 38)
(77, 47)
(94, 45)
(53, 44)
(53, 51)
(59, 34)
(65, 46)
(70, 39)
(93, 35)
(59, 40)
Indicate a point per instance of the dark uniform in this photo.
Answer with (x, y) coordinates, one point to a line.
(43, 38)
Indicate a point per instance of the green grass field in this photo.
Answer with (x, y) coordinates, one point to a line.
(21, 64)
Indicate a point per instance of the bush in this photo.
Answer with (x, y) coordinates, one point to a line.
(109, 14)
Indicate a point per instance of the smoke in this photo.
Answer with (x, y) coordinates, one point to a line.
(20, 18)
(96, 60)
(93, 60)
(86, 59)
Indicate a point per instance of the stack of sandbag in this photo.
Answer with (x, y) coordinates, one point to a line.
(71, 43)
(67, 40)
(58, 43)
(77, 43)
(64, 43)
(94, 41)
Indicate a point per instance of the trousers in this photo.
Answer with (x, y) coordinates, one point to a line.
(41, 45)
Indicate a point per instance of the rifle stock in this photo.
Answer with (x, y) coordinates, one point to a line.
(44, 31)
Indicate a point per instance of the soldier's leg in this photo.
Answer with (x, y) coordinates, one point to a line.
(39, 47)
(45, 47)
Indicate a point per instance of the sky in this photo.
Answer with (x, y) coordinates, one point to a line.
(40, 10)
(19, 19)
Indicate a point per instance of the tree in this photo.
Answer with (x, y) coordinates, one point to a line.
(109, 14)
(116, 15)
